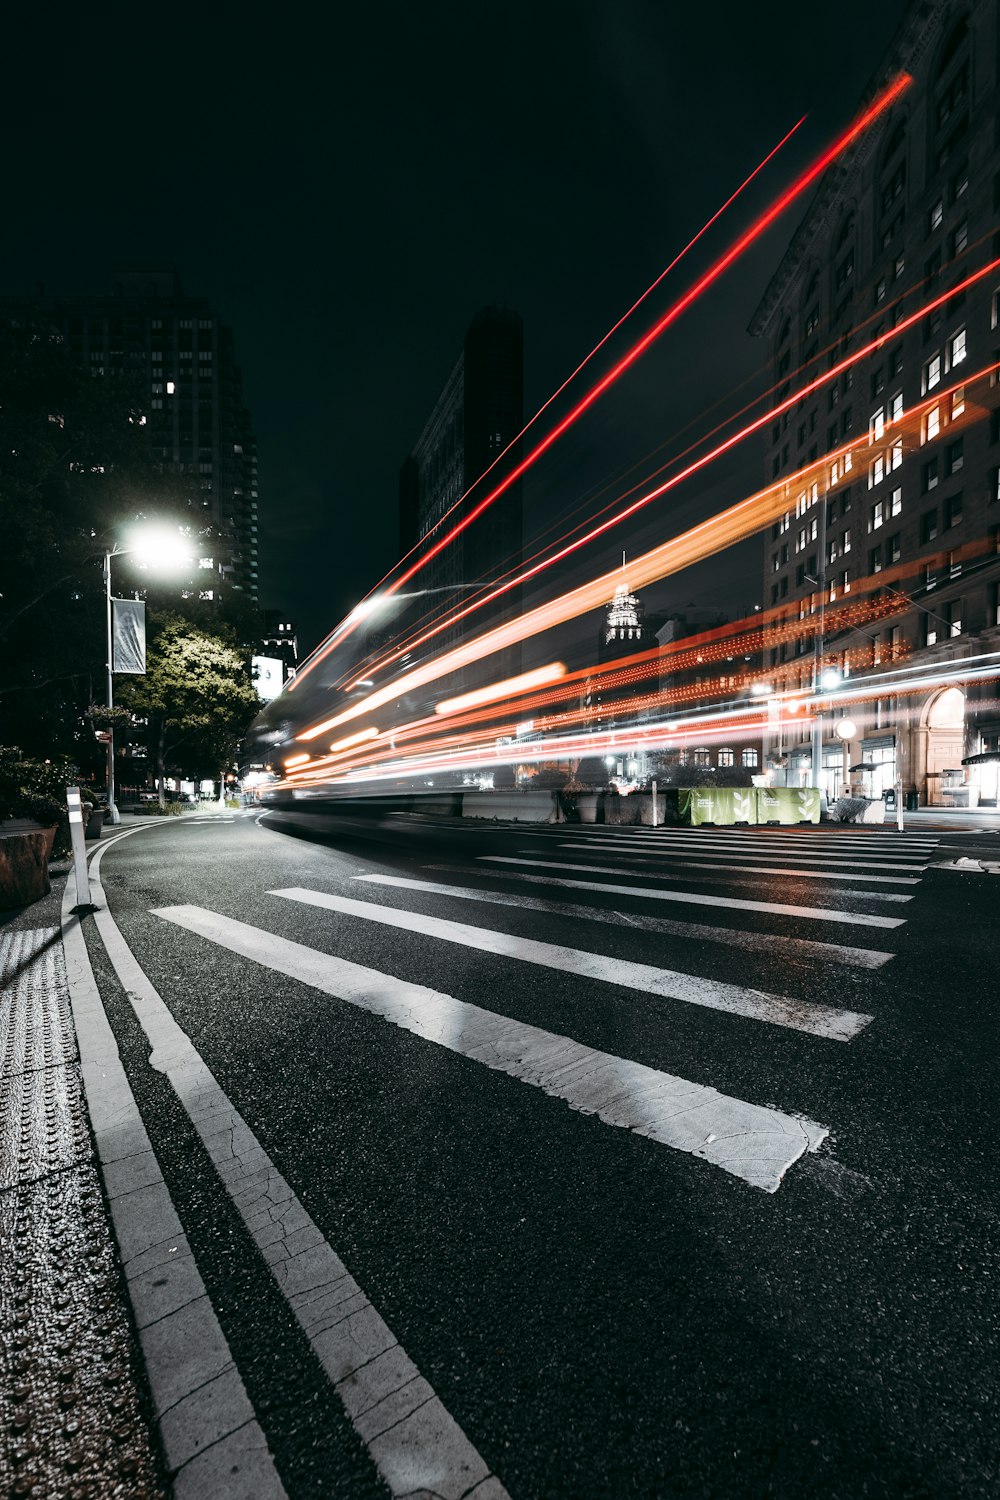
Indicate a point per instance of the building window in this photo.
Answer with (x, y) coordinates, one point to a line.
(702, 757)
(929, 476)
(931, 424)
(845, 270)
(928, 526)
(895, 502)
(959, 238)
(875, 560)
(954, 456)
(953, 614)
(892, 548)
(725, 757)
(876, 516)
(932, 373)
(956, 348)
(750, 759)
(930, 630)
(953, 510)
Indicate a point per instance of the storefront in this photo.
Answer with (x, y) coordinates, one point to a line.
(983, 770)
(879, 753)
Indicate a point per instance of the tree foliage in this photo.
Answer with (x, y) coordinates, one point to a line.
(197, 695)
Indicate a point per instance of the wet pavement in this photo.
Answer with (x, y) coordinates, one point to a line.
(73, 1404)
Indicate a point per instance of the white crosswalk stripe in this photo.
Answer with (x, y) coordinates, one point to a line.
(751, 1141)
(695, 898)
(701, 932)
(819, 1020)
(676, 854)
(693, 864)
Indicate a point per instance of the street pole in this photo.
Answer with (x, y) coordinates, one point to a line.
(817, 728)
(113, 814)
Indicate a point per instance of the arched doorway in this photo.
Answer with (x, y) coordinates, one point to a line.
(944, 722)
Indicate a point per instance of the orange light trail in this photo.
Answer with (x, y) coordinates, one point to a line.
(513, 685)
(710, 536)
(693, 468)
(700, 286)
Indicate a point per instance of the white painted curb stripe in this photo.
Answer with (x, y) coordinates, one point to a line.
(416, 1445)
(211, 1439)
(700, 932)
(695, 898)
(747, 1140)
(755, 1005)
(696, 864)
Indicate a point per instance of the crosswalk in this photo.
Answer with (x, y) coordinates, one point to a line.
(501, 961)
(649, 867)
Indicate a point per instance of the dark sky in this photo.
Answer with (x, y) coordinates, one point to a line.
(349, 185)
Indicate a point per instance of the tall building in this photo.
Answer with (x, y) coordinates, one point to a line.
(910, 531)
(715, 668)
(478, 413)
(181, 354)
(280, 641)
(614, 700)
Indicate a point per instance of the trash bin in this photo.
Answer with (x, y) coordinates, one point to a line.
(911, 800)
(889, 798)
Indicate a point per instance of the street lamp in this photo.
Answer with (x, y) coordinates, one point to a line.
(845, 730)
(163, 548)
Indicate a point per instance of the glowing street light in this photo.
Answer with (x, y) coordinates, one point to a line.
(161, 548)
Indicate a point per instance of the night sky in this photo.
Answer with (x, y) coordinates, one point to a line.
(348, 186)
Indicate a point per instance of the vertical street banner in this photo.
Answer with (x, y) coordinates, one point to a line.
(128, 636)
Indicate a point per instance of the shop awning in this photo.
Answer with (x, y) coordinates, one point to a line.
(984, 758)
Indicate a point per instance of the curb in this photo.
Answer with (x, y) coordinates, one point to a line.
(214, 1447)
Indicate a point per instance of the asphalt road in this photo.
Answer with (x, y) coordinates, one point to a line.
(716, 1307)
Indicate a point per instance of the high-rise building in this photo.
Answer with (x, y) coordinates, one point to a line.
(280, 641)
(909, 530)
(181, 355)
(478, 414)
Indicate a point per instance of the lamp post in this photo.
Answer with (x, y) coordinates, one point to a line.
(166, 549)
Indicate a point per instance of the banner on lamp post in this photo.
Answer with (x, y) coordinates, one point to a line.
(128, 636)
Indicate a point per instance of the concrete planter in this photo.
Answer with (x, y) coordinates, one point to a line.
(24, 862)
(586, 806)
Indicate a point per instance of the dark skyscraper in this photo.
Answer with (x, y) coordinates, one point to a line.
(182, 353)
(478, 413)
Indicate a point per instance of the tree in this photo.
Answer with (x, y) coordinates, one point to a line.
(197, 695)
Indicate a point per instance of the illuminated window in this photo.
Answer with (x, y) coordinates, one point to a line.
(895, 502)
(877, 516)
(957, 401)
(932, 373)
(896, 406)
(876, 425)
(956, 348)
(750, 759)
(725, 757)
(206, 562)
(932, 424)
(171, 387)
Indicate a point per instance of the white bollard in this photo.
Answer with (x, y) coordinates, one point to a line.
(75, 805)
(899, 804)
(654, 804)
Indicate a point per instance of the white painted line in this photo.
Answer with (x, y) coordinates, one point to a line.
(754, 837)
(754, 1005)
(748, 1140)
(763, 942)
(674, 856)
(694, 898)
(695, 864)
(201, 1406)
(416, 1445)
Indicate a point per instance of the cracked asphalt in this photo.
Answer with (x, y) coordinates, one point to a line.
(602, 1315)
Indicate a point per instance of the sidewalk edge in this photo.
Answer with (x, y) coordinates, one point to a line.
(212, 1442)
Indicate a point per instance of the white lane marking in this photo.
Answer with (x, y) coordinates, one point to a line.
(694, 898)
(758, 837)
(748, 1140)
(696, 864)
(754, 1005)
(414, 1442)
(676, 855)
(730, 937)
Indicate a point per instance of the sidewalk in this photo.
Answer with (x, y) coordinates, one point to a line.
(74, 1406)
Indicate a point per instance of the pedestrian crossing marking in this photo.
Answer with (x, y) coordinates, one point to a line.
(696, 864)
(696, 898)
(730, 937)
(757, 1005)
(754, 1142)
(675, 854)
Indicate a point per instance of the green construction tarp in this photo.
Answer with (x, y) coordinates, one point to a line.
(717, 804)
(787, 804)
(722, 805)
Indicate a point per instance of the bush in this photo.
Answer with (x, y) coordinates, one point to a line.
(36, 789)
